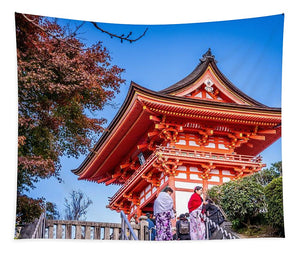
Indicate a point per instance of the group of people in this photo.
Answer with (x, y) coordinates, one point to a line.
(192, 229)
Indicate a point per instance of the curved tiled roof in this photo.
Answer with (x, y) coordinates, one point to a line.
(169, 95)
(206, 60)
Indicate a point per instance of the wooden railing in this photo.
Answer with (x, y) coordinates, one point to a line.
(63, 229)
(193, 155)
(209, 155)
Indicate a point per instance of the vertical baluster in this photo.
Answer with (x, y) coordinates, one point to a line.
(97, 232)
(130, 234)
(116, 234)
(59, 231)
(44, 227)
(143, 225)
(50, 232)
(106, 233)
(68, 231)
(78, 232)
(134, 227)
(87, 234)
(122, 228)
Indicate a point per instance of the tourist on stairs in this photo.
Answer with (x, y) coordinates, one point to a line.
(195, 206)
(164, 212)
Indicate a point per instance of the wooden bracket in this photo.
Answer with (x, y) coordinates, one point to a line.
(132, 198)
(206, 170)
(168, 166)
(204, 136)
(152, 178)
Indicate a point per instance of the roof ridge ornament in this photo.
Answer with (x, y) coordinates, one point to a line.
(207, 56)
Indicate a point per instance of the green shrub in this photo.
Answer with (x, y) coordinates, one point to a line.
(274, 200)
(253, 203)
(28, 209)
(214, 194)
(241, 200)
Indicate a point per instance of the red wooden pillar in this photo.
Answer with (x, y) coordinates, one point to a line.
(205, 188)
(139, 212)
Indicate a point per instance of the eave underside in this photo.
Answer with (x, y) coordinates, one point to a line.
(127, 131)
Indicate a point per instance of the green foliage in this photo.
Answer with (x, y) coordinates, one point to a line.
(60, 86)
(51, 211)
(274, 199)
(28, 209)
(253, 199)
(242, 199)
(215, 194)
(265, 176)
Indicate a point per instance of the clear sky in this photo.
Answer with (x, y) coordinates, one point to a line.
(248, 51)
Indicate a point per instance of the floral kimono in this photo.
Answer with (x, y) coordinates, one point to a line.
(197, 225)
(163, 226)
(163, 211)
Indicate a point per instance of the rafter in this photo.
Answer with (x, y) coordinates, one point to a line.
(267, 132)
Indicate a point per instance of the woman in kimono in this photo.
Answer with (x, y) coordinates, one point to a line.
(164, 212)
(195, 206)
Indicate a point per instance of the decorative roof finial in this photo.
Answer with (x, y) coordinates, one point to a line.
(207, 56)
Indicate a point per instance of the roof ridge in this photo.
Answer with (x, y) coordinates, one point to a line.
(207, 59)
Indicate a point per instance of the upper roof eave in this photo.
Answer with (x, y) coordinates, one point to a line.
(134, 87)
(108, 130)
(167, 94)
(197, 102)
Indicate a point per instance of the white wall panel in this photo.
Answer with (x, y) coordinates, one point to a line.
(182, 199)
(186, 185)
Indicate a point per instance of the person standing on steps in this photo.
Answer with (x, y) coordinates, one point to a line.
(183, 228)
(164, 212)
(195, 206)
(151, 227)
(214, 214)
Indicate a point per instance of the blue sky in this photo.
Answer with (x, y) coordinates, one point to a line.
(248, 51)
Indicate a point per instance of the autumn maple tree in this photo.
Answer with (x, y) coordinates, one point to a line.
(60, 84)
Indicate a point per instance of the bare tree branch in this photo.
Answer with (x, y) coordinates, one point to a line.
(77, 207)
(121, 37)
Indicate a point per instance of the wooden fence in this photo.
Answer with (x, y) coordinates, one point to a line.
(62, 229)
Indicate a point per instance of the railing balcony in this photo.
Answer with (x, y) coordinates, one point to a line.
(191, 155)
(194, 154)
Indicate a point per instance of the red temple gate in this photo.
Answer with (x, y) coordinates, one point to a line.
(201, 130)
